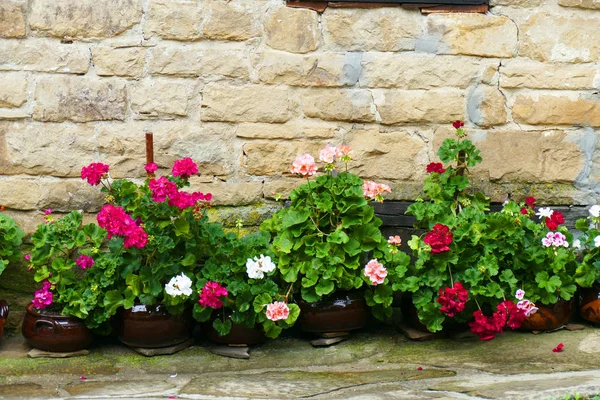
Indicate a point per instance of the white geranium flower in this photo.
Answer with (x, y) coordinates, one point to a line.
(595, 211)
(544, 212)
(258, 267)
(577, 244)
(597, 241)
(179, 285)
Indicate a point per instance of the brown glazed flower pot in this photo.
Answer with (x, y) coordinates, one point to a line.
(549, 317)
(339, 312)
(56, 333)
(589, 300)
(152, 326)
(3, 315)
(239, 334)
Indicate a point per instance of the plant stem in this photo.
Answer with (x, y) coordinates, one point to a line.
(450, 272)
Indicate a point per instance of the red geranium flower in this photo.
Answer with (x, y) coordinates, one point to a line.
(435, 167)
(458, 124)
(486, 327)
(524, 211)
(558, 348)
(453, 300)
(439, 239)
(530, 201)
(94, 173)
(555, 220)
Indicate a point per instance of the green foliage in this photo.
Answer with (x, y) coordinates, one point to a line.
(11, 236)
(587, 251)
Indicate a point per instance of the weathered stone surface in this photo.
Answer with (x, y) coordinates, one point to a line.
(14, 113)
(546, 37)
(536, 75)
(78, 99)
(44, 56)
(486, 106)
(483, 35)
(418, 70)
(126, 61)
(403, 106)
(39, 149)
(591, 4)
(338, 104)
(84, 18)
(516, 3)
(327, 69)
(379, 29)
(160, 98)
(594, 176)
(295, 30)
(289, 130)
(546, 109)
(117, 388)
(191, 61)
(12, 19)
(273, 157)
(246, 103)
(232, 20)
(231, 193)
(176, 20)
(393, 155)
(13, 90)
(274, 187)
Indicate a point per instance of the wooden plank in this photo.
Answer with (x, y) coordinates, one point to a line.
(318, 6)
(454, 9)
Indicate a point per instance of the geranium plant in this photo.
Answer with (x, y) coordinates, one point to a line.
(158, 231)
(328, 239)
(239, 284)
(11, 237)
(587, 248)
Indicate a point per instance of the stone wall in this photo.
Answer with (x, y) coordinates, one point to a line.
(243, 86)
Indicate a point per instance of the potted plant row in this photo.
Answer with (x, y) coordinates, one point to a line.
(11, 236)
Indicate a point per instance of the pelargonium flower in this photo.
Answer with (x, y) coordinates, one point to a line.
(27, 257)
(179, 285)
(304, 165)
(439, 239)
(527, 307)
(210, 295)
(117, 222)
(151, 168)
(257, 268)
(277, 310)
(524, 211)
(375, 271)
(530, 201)
(161, 189)
(515, 315)
(519, 294)
(395, 240)
(555, 239)
(328, 154)
(554, 220)
(576, 244)
(453, 300)
(558, 348)
(43, 297)
(185, 168)
(458, 124)
(595, 211)
(544, 212)
(85, 262)
(597, 241)
(345, 153)
(372, 190)
(486, 327)
(435, 167)
(94, 173)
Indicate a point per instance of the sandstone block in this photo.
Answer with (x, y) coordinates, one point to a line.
(537, 75)
(378, 29)
(159, 98)
(590, 4)
(289, 130)
(39, 149)
(175, 20)
(325, 69)
(547, 37)
(20, 194)
(126, 61)
(432, 106)
(338, 104)
(232, 20)
(13, 90)
(44, 56)
(232, 194)
(246, 103)
(78, 99)
(394, 155)
(192, 61)
(84, 18)
(546, 109)
(69, 195)
(484, 35)
(12, 19)
(295, 30)
(417, 70)
(594, 176)
(14, 113)
(265, 158)
(280, 187)
(486, 106)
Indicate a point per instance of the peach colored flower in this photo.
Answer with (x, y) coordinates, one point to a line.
(375, 271)
(344, 150)
(395, 240)
(304, 165)
(277, 310)
(328, 154)
(372, 190)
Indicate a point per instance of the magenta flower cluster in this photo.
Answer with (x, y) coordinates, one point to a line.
(42, 298)
(118, 223)
(94, 173)
(185, 168)
(85, 262)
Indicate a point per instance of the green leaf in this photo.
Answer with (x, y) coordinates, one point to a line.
(182, 227)
(188, 260)
(261, 301)
(202, 314)
(222, 327)
(324, 287)
(294, 217)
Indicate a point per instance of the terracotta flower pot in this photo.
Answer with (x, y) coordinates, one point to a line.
(3, 315)
(549, 317)
(340, 312)
(589, 300)
(153, 326)
(239, 334)
(57, 333)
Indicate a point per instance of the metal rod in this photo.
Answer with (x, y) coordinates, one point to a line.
(149, 148)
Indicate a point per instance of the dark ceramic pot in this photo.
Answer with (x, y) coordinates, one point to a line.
(56, 333)
(238, 335)
(549, 317)
(340, 312)
(153, 326)
(3, 315)
(589, 300)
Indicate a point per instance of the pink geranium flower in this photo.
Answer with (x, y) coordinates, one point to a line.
(185, 168)
(328, 154)
(277, 310)
(210, 295)
(151, 168)
(117, 222)
(161, 189)
(94, 173)
(85, 262)
(304, 165)
(375, 271)
(395, 240)
(373, 190)
(43, 297)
